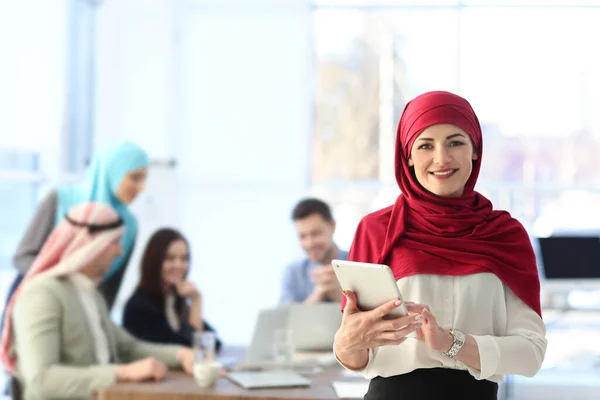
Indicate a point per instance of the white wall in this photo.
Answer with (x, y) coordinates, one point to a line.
(135, 100)
(135, 65)
(225, 88)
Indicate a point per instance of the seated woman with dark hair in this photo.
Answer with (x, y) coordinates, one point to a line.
(165, 307)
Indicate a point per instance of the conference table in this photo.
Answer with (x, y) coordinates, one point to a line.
(179, 386)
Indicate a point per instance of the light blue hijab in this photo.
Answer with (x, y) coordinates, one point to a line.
(103, 177)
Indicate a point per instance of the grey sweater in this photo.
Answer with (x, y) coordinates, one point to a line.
(37, 232)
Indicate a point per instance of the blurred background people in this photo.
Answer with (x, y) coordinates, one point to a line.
(58, 339)
(116, 176)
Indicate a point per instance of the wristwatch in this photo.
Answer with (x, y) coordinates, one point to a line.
(459, 340)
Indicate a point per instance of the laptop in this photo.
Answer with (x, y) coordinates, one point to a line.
(313, 328)
(314, 325)
(268, 379)
(260, 351)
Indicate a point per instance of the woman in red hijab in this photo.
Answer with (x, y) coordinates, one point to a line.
(469, 269)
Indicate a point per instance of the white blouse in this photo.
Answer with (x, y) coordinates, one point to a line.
(86, 289)
(509, 334)
(171, 314)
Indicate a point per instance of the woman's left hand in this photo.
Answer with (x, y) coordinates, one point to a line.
(431, 333)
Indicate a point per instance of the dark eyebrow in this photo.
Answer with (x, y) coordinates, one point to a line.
(455, 135)
(448, 138)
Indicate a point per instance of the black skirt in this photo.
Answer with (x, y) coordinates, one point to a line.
(432, 384)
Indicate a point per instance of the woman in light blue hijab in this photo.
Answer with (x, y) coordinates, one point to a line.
(116, 176)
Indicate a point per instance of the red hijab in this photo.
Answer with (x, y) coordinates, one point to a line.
(427, 234)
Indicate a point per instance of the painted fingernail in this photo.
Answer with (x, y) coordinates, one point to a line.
(418, 325)
(418, 317)
(398, 302)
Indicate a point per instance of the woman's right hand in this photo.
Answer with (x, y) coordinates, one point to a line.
(187, 290)
(364, 330)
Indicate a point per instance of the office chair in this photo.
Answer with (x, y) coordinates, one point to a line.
(15, 389)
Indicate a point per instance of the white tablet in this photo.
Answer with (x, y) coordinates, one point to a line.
(373, 284)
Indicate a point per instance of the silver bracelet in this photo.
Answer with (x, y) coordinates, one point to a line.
(459, 341)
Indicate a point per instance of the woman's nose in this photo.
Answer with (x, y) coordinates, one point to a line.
(441, 155)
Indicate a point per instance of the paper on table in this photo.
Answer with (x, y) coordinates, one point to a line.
(350, 390)
(352, 374)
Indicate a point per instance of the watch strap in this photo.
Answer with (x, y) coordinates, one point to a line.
(459, 341)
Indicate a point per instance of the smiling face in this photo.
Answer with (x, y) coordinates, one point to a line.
(176, 263)
(316, 237)
(442, 157)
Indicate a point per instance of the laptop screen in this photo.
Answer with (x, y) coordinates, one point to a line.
(571, 257)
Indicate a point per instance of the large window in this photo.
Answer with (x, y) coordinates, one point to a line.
(368, 66)
(19, 181)
(31, 112)
(32, 115)
(45, 107)
(535, 88)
